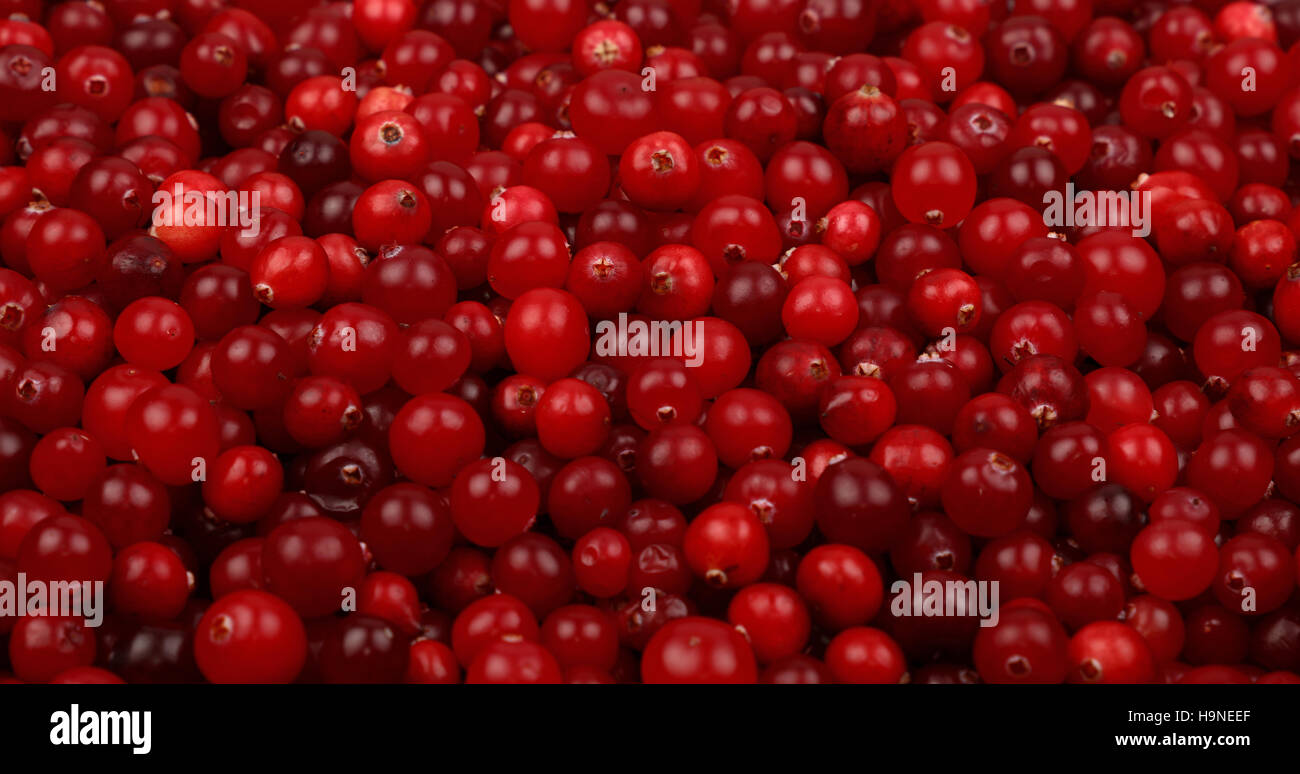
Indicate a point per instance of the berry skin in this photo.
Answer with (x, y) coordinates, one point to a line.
(42, 647)
(243, 484)
(821, 309)
(865, 129)
(858, 503)
(659, 172)
(493, 500)
(1143, 459)
(174, 432)
(1026, 646)
(434, 436)
(841, 585)
(308, 563)
(250, 637)
(1174, 559)
(289, 273)
(945, 299)
(65, 462)
(698, 650)
(547, 334)
(727, 546)
(1109, 652)
(865, 655)
(855, 410)
(154, 333)
(601, 561)
(987, 493)
(149, 580)
(408, 528)
(572, 419)
(934, 183)
(773, 618)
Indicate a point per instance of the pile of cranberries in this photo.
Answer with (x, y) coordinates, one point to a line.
(537, 341)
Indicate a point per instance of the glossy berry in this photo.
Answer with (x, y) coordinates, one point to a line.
(250, 637)
(698, 650)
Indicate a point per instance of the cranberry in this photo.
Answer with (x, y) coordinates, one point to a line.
(174, 432)
(698, 650)
(1109, 652)
(865, 129)
(829, 217)
(64, 463)
(546, 333)
(250, 636)
(865, 655)
(1255, 573)
(727, 546)
(493, 500)
(149, 580)
(1025, 646)
(859, 504)
(536, 570)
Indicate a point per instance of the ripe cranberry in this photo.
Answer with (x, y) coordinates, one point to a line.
(1233, 469)
(511, 662)
(602, 559)
(546, 333)
(782, 502)
(42, 647)
(391, 212)
(1025, 646)
(727, 546)
(659, 172)
(995, 422)
(432, 356)
(944, 299)
(149, 580)
(934, 183)
(65, 248)
(1155, 102)
(1109, 652)
(250, 636)
(1255, 574)
(1144, 459)
(1050, 389)
(994, 230)
(586, 493)
(534, 569)
(855, 410)
(432, 662)
(65, 462)
(865, 129)
(492, 500)
(865, 655)
(859, 504)
(677, 463)
(174, 432)
(841, 585)
(611, 109)
(735, 228)
(698, 650)
(987, 493)
(1174, 559)
(773, 618)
